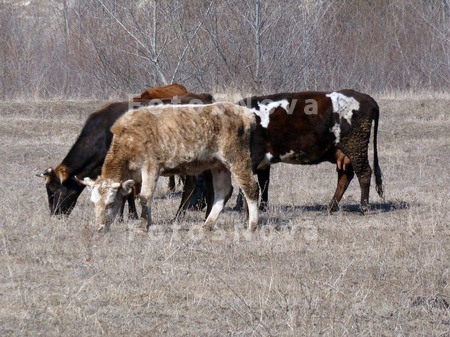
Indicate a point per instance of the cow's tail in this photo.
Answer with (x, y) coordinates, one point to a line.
(377, 170)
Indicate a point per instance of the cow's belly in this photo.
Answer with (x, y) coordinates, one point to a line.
(191, 168)
(295, 158)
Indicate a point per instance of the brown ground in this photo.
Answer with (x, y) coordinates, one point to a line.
(303, 273)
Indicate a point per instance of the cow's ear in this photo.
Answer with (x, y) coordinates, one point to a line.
(62, 173)
(127, 187)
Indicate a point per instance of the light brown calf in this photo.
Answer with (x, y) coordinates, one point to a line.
(170, 90)
(167, 140)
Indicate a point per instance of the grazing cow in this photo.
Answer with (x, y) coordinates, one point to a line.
(312, 127)
(167, 140)
(87, 155)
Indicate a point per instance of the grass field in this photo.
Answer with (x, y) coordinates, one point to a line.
(303, 273)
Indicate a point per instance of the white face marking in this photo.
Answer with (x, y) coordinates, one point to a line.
(336, 129)
(265, 162)
(106, 203)
(343, 105)
(95, 195)
(112, 192)
(265, 110)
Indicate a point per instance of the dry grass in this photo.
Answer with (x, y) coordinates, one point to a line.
(303, 273)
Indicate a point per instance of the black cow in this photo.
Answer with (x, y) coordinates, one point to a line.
(308, 128)
(86, 157)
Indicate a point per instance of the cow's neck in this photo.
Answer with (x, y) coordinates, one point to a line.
(113, 168)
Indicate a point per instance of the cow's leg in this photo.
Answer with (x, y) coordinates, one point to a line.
(222, 185)
(344, 178)
(355, 146)
(132, 211)
(171, 185)
(198, 201)
(188, 193)
(360, 163)
(209, 190)
(364, 183)
(149, 180)
(263, 181)
(239, 201)
(122, 210)
(131, 198)
(250, 190)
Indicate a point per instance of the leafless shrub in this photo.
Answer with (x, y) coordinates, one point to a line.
(109, 48)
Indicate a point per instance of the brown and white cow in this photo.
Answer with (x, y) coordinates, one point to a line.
(167, 140)
(87, 154)
(312, 127)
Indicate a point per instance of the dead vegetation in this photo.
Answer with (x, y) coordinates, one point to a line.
(109, 48)
(303, 273)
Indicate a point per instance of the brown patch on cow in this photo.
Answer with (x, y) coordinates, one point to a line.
(302, 137)
(63, 173)
(164, 91)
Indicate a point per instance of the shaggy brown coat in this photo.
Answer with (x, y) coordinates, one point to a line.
(167, 140)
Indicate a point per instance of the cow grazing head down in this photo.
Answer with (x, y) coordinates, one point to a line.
(107, 197)
(87, 154)
(62, 190)
(168, 140)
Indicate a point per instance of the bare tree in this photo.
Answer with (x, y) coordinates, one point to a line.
(106, 48)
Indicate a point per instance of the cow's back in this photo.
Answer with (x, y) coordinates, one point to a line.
(164, 91)
(182, 134)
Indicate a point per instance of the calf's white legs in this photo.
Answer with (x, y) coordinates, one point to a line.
(149, 180)
(222, 186)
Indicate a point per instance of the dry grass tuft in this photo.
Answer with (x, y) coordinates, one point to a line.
(303, 273)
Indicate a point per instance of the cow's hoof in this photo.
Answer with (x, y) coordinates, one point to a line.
(333, 206)
(207, 228)
(251, 228)
(142, 227)
(364, 210)
(332, 210)
(141, 230)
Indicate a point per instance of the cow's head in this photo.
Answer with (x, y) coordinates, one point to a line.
(62, 190)
(107, 197)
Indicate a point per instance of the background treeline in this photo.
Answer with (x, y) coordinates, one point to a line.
(110, 48)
